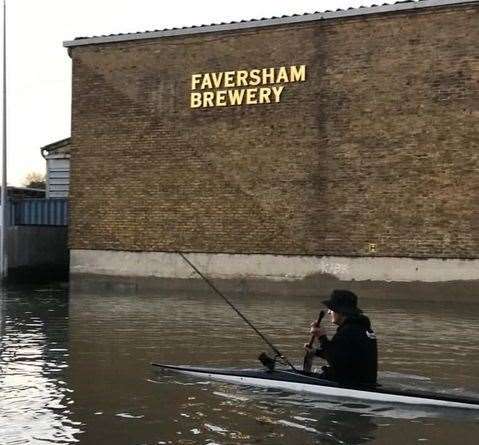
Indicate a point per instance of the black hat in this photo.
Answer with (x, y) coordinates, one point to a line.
(343, 301)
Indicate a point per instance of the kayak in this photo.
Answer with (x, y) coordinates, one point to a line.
(297, 381)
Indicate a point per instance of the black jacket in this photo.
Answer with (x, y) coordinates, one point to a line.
(351, 353)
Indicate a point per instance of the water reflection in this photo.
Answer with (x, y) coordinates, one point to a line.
(115, 338)
(35, 400)
(246, 414)
(96, 350)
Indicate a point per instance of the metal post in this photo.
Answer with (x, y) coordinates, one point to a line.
(4, 197)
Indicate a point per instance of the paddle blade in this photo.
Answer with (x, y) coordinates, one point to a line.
(321, 316)
(309, 356)
(308, 361)
(267, 361)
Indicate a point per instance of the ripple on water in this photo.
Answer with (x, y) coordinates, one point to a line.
(33, 402)
(83, 365)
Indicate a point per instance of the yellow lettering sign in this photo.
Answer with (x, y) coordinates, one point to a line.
(243, 87)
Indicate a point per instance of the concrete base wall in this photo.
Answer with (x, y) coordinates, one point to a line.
(454, 280)
(272, 267)
(43, 248)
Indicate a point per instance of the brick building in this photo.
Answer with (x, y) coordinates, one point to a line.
(339, 145)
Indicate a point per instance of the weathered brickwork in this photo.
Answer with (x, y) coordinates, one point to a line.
(379, 145)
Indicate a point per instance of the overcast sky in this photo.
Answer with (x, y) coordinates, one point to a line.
(39, 69)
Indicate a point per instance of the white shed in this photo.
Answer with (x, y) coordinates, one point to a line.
(57, 156)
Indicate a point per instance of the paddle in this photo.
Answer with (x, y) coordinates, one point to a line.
(308, 357)
(262, 358)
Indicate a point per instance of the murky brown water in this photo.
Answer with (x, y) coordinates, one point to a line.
(77, 368)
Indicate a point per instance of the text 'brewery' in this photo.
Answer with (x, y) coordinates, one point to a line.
(243, 87)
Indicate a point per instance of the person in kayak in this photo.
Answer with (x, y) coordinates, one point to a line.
(352, 352)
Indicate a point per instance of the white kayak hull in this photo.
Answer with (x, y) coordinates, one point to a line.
(298, 383)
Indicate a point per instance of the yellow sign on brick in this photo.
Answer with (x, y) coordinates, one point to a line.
(243, 87)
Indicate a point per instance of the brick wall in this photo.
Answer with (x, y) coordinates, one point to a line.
(379, 145)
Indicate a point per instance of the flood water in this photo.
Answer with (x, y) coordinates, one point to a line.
(75, 367)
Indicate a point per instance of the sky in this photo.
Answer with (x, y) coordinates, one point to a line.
(39, 69)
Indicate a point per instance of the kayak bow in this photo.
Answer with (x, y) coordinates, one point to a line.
(309, 383)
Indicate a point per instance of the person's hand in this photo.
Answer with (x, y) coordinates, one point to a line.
(317, 331)
(308, 348)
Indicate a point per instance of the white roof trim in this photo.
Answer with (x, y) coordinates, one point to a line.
(265, 22)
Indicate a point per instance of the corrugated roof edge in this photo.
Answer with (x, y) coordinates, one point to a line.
(274, 21)
(57, 144)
